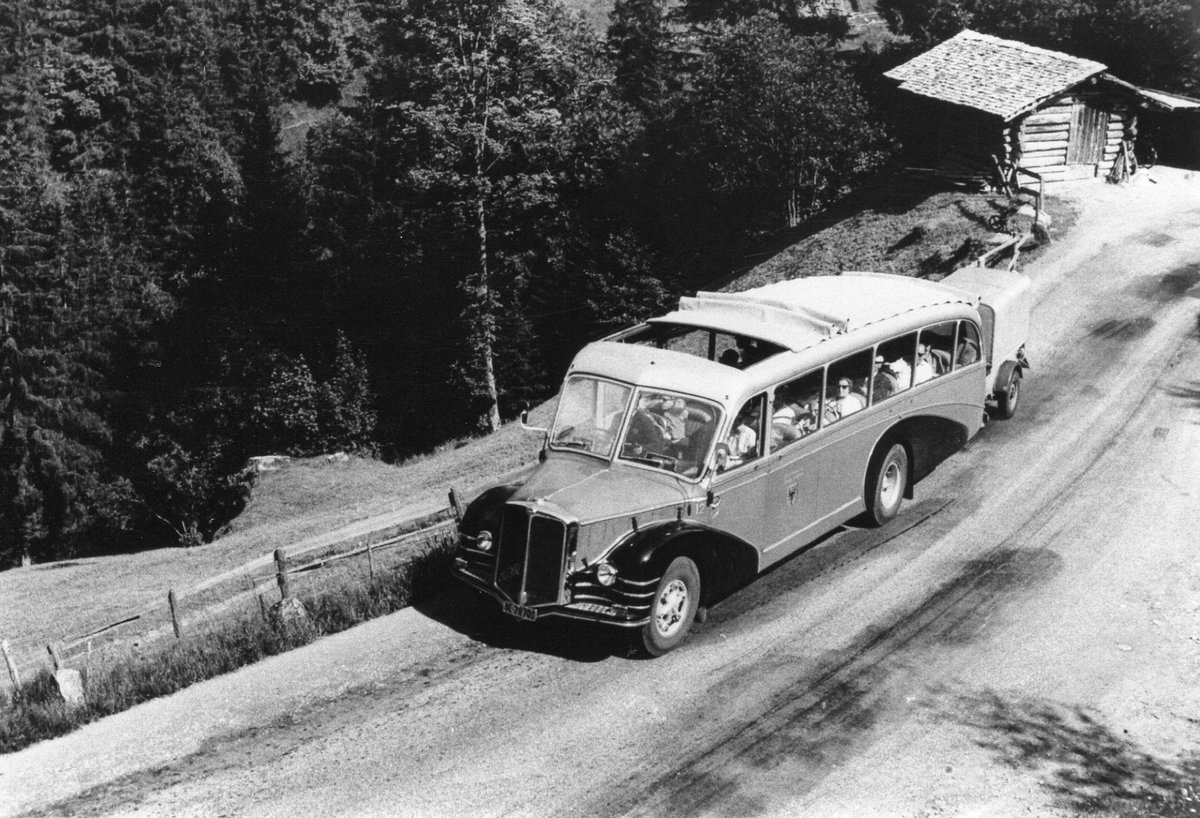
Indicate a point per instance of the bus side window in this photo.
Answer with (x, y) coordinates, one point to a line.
(795, 409)
(898, 359)
(934, 352)
(967, 351)
(745, 440)
(848, 384)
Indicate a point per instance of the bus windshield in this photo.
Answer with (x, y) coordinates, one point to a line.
(670, 432)
(589, 415)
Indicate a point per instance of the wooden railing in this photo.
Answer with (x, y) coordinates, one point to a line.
(232, 593)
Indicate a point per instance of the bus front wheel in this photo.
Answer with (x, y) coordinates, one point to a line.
(674, 607)
(885, 490)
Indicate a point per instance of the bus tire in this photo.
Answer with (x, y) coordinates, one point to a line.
(676, 600)
(1009, 395)
(886, 484)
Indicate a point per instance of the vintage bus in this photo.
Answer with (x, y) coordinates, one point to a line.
(689, 453)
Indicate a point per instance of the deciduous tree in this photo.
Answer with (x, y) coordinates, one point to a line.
(781, 128)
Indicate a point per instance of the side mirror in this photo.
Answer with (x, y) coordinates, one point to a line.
(525, 421)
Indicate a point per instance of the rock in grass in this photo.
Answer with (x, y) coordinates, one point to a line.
(70, 686)
(267, 462)
(288, 612)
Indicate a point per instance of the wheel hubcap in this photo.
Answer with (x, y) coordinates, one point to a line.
(671, 605)
(890, 485)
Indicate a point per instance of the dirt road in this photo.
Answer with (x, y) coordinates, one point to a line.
(1024, 639)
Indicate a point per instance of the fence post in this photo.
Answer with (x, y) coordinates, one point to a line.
(456, 504)
(55, 656)
(12, 667)
(174, 613)
(281, 572)
(371, 560)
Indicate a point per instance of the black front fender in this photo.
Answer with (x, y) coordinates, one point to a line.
(484, 512)
(725, 562)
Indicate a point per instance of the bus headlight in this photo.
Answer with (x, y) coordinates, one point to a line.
(606, 574)
(484, 541)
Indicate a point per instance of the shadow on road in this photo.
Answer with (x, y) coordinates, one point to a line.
(1084, 764)
(1187, 393)
(480, 618)
(830, 703)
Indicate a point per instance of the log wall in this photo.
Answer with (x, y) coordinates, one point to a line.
(1041, 139)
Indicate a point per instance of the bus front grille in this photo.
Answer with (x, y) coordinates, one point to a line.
(531, 556)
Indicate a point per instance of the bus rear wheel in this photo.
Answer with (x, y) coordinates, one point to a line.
(886, 485)
(674, 607)
(1008, 399)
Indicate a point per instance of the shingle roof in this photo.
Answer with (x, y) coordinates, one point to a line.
(1001, 77)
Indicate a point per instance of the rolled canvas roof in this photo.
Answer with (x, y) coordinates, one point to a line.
(799, 313)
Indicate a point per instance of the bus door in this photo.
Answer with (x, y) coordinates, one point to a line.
(736, 498)
(799, 503)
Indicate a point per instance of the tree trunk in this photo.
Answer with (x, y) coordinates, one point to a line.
(486, 334)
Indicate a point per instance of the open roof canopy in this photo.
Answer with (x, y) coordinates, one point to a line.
(799, 313)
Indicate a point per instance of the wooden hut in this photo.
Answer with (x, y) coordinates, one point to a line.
(975, 97)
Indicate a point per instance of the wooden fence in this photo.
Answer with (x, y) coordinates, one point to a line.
(224, 597)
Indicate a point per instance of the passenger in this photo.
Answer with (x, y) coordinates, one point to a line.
(643, 433)
(968, 352)
(783, 411)
(806, 418)
(924, 369)
(883, 380)
(730, 357)
(649, 428)
(903, 372)
(675, 420)
(749, 352)
(743, 439)
(941, 360)
(848, 402)
(783, 423)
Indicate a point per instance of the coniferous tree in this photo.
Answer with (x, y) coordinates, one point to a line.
(74, 287)
(640, 39)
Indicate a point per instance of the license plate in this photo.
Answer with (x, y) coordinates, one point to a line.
(520, 611)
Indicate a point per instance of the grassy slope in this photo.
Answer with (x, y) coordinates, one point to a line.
(309, 498)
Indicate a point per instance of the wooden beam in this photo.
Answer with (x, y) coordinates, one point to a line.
(1059, 135)
(1046, 127)
(1044, 165)
(1042, 153)
(1048, 145)
(1049, 118)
